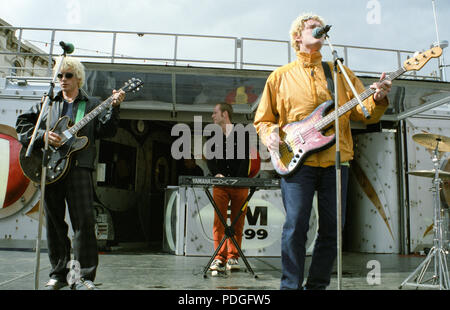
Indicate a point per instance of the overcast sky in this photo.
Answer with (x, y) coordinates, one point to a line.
(399, 24)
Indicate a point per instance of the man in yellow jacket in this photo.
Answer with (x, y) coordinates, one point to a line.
(291, 94)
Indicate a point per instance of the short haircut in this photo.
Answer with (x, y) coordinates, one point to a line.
(226, 107)
(73, 65)
(299, 23)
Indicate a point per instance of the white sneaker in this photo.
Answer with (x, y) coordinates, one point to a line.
(233, 264)
(54, 284)
(84, 285)
(217, 265)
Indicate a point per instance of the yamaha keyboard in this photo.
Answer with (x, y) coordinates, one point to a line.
(205, 182)
(185, 180)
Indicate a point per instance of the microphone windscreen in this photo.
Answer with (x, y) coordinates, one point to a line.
(317, 32)
(70, 48)
(67, 47)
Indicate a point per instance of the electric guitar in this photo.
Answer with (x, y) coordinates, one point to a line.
(305, 137)
(57, 159)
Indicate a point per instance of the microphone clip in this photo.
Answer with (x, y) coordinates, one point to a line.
(326, 29)
(319, 32)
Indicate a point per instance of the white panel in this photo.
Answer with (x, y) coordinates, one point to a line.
(260, 238)
(420, 195)
(373, 204)
(174, 219)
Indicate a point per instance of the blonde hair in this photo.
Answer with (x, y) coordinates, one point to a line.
(73, 65)
(299, 23)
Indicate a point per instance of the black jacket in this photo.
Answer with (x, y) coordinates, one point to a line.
(235, 165)
(103, 126)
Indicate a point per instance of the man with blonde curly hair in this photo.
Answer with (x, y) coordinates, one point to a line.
(76, 186)
(291, 94)
(299, 24)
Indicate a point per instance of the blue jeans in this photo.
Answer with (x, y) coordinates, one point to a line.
(298, 192)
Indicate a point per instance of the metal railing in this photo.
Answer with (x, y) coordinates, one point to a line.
(238, 58)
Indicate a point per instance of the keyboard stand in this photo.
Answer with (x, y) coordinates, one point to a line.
(229, 231)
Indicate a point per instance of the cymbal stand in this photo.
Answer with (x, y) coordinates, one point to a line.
(438, 254)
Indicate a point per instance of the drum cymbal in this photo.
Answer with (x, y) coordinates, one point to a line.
(430, 173)
(430, 141)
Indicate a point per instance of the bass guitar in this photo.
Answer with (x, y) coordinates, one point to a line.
(305, 137)
(57, 159)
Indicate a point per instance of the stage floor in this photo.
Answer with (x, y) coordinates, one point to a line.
(154, 270)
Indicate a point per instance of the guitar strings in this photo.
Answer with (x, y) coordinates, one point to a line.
(88, 117)
(321, 123)
(346, 107)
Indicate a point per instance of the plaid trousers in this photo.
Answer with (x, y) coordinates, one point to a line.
(77, 189)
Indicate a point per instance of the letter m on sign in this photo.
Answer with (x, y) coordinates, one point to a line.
(260, 212)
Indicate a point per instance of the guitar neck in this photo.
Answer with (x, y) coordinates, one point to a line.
(91, 115)
(328, 119)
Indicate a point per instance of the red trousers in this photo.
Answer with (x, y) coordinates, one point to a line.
(222, 196)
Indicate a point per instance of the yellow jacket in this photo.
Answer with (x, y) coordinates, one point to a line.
(294, 91)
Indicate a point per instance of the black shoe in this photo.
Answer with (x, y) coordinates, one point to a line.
(54, 284)
(84, 285)
(314, 288)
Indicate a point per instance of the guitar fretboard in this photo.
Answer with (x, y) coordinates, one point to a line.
(91, 115)
(328, 119)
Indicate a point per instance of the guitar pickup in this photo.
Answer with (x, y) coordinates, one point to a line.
(288, 147)
(67, 134)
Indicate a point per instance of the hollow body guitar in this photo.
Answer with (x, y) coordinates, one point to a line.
(303, 138)
(57, 159)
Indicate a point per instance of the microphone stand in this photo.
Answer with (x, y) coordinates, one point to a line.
(47, 102)
(337, 62)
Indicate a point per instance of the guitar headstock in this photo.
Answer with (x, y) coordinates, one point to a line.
(418, 61)
(133, 85)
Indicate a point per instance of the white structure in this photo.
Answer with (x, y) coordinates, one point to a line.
(189, 218)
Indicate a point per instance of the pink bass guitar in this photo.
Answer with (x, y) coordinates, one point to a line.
(305, 137)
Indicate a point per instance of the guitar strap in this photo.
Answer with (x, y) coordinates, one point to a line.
(327, 71)
(80, 111)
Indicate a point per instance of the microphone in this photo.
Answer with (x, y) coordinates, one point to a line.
(68, 48)
(320, 31)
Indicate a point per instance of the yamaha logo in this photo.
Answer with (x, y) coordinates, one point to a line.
(214, 181)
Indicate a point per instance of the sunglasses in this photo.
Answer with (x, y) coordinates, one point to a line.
(68, 75)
